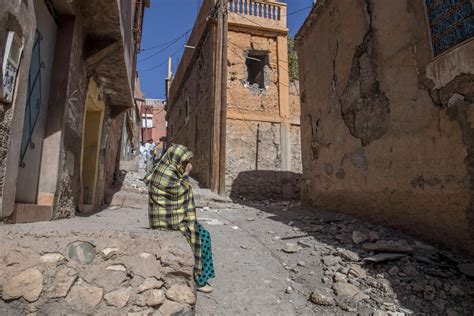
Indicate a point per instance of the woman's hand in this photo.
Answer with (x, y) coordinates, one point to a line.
(188, 169)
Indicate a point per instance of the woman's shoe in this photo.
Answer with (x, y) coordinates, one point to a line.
(205, 288)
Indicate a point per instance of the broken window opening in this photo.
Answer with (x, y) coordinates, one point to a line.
(256, 62)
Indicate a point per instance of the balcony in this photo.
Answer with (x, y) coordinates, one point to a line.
(265, 15)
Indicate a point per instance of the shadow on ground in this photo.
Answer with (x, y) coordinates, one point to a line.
(423, 279)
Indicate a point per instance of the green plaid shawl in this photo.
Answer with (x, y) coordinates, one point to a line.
(171, 201)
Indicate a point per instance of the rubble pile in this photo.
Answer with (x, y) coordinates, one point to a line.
(86, 273)
(369, 268)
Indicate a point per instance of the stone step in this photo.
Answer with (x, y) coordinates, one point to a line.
(29, 213)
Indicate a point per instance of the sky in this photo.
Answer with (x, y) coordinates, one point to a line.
(164, 26)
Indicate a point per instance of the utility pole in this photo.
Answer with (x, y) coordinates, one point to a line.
(217, 178)
(223, 114)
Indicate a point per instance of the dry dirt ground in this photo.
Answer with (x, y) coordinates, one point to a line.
(278, 258)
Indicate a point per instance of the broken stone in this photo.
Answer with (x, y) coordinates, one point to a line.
(330, 260)
(117, 267)
(109, 253)
(291, 248)
(28, 284)
(382, 257)
(181, 293)
(289, 290)
(62, 283)
(304, 243)
(54, 257)
(82, 252)
(339, 277)
(429, 293)
(118, 298)
(84, 294)
(150, 283)
(147, 255)
(301, 263)
(393, 271)
(357, 272)
(320, 299)
(155, 298)
(373, 236)
(173, 308)
(349, 290)
(359, 237)
(388, 246)
(467, 269)
(145, 312)
(347, 254)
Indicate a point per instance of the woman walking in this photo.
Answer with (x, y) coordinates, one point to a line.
(171, 206)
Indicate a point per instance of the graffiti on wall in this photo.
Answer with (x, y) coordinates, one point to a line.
(74, 115)
(451, 22)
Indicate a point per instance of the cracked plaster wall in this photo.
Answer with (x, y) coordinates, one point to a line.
(381, 138)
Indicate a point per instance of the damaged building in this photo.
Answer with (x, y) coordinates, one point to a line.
(68, 71)
(388, 114)
(245, 137)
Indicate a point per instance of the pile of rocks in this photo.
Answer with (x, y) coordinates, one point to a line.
(88, 273)
(368, 268)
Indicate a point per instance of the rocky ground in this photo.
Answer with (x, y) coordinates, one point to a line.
(271, 258)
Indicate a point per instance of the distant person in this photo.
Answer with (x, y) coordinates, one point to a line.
(149, 146)
(172, 207)
(142, 151)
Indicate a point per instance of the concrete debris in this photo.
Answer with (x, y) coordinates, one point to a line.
(388, 246)
(330, 260)
(467, 269)
(359, 237)
(291, 248)
(347, 254)
(320, 299)
(383, 257)
(349, 290)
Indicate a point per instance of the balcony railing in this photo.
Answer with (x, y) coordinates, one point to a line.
(269, 14)
(254, 8)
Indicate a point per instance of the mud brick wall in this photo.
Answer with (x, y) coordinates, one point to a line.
(254, 115)
(387, 129)
(190, 116)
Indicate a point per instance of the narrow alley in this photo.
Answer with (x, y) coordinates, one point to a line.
(236, 157)
(272, 258)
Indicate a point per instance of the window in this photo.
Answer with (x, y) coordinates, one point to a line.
(256, 63)
(147, 120)
(450, 23)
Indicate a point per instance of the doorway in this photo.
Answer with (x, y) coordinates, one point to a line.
(92, 131)
(36, 108)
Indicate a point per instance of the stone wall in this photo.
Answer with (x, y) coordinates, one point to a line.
(387, 129)
(114, 273)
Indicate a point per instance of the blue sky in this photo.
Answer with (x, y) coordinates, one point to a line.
(165, 21)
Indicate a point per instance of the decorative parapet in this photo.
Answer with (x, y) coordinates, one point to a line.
(267, 15)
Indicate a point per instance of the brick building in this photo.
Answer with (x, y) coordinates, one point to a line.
(61, 118)
(388, 114)
(153, 124)
(253, 146)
